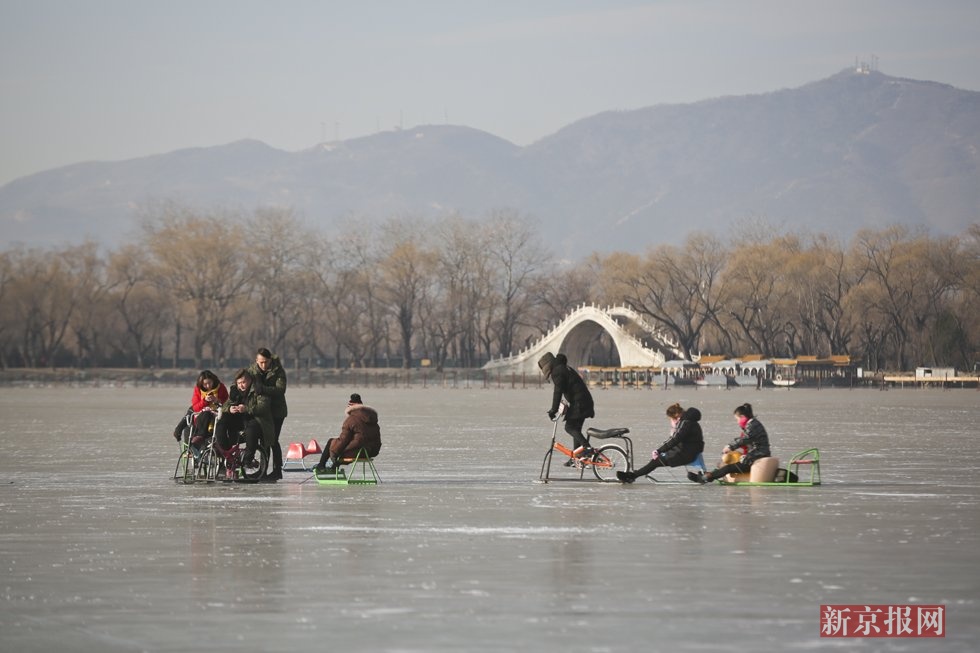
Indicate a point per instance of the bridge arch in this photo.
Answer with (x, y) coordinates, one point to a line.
(577, 333)
(580, 342)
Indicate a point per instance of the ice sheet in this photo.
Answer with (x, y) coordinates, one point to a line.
(459, 549)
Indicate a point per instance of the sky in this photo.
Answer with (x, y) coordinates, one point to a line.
(108, 80)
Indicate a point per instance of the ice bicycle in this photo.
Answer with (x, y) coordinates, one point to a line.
(802, 469)
(605, 461)
(207, 463)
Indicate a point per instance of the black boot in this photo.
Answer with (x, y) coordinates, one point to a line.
(326, 467)
(626, 477)
(271, 477)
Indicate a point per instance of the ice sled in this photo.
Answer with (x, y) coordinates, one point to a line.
(764, 472)
(362, 472)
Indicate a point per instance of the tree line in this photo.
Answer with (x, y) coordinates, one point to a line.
(206, 288)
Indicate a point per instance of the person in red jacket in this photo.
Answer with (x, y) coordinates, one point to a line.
(209, 394)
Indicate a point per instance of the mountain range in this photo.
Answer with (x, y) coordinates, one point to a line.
(857, 149)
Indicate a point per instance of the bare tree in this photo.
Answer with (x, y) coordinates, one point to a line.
(967, 308)
(903, 284)
(139, 303)
(91, 323)
(202, 260)
(453, 304)
(942, 335)
(680, 288)
(516, 253)
(406, 268)
(278, 251)
(6, 283)
(560, 288)
(41, 301)
(822, 277)
(758, 295)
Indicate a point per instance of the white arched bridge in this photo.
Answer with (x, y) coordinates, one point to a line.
(578, 332)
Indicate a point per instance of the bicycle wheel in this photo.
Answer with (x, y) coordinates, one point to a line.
(207, 467)
(255, 473)
(607, 460)
(188, 467)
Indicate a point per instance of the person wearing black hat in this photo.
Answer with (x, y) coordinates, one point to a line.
(569, 384)
(359, 430)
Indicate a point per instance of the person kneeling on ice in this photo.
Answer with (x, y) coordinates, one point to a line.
(569, 384)
(685, 444)
(753, 439)
(359, 430)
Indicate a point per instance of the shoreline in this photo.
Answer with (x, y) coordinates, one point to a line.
(412, 378)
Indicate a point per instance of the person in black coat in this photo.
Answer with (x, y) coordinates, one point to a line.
(685, 444)
(569, 384)
(753, 440)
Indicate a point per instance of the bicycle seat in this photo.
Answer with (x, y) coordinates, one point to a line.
(602, 434)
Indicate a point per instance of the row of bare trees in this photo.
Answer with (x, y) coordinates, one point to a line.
(206, 288)
(893, 298)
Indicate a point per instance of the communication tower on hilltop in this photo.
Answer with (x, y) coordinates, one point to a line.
(866, 67)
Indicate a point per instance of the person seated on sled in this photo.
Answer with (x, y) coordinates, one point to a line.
(209, 394)
(359, 430)
(753, 440)
(246, 411)
(569, 384)
(685, 444)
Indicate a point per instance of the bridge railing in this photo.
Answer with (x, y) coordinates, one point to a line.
(608, 312)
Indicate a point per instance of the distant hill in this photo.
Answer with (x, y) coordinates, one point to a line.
(850, 151)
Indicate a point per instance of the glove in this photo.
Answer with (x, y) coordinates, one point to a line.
(655, 455)
(552, 414)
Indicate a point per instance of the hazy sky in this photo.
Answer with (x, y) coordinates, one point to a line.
(84, 80)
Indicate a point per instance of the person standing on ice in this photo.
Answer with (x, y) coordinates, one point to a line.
(569, 384)
(359, 430)
(270, 381)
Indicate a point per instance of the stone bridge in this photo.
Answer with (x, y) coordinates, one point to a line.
(577, 333)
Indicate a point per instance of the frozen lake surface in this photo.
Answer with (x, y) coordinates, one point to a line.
(459, 549)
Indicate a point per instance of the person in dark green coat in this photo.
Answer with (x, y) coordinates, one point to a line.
(270, 381)
(245, 410)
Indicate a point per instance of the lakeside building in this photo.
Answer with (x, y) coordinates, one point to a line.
(757, 372)
(749, 370)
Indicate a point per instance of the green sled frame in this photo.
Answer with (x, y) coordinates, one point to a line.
(362, 472)
(809, 459)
